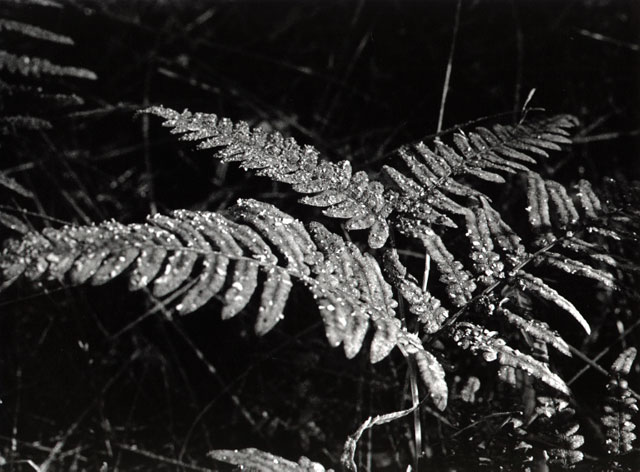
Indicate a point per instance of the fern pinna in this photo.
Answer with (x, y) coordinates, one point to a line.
(493, 278)
(23, 76)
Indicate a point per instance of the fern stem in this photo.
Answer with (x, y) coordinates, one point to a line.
(447, 75)
(427, 268)
(604, 351)
(153, 208)
(415, 402)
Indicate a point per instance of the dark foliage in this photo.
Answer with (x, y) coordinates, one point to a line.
(477, 276)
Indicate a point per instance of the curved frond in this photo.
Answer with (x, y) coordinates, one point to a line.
(192, 257)
(421, 190)
(332, 186)
(535, 285)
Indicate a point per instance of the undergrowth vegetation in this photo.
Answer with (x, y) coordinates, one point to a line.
(311, 266)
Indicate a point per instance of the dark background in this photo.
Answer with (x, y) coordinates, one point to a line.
(91, 368)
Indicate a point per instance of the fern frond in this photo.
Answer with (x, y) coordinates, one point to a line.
(342, 194)
(37, 67)
(368, 204)
(573, 266)
(539, 216)
(20, 92)
(588, 199)
(259, 461)
(535, 285)
(487, 264)
(553, 214)
(510, 244)
(194, 256)
(432, 375)
(556, 420)
(479, 340)
(483, 153)
(429, 310)
(537, 329)
(16, 115)
(566, 226)
(33, 31)
(347, 269)
(620, 406)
